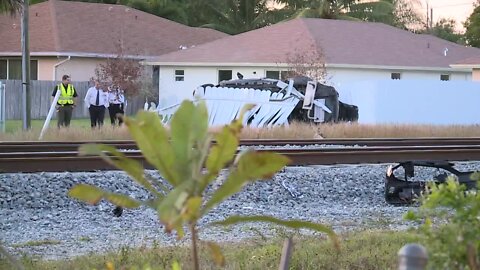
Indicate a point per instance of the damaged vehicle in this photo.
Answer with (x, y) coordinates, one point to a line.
(275, 102)
(340, 111)
(403, 187)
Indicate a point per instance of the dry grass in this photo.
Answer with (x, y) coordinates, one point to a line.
(69, 134)
(294, 131)
(354, 130)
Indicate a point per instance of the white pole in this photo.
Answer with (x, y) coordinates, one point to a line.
(2, 107)
(50, 113)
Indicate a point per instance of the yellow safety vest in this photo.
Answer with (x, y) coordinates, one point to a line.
(66, 96)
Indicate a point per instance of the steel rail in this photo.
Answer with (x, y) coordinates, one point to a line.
(70, 161)
(44, 146)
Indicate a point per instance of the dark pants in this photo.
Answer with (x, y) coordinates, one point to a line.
(97, 113)
(114, 110)
(64, 116)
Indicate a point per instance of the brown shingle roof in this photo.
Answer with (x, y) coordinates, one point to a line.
(78, 27)
(342, 42)
(475, 60)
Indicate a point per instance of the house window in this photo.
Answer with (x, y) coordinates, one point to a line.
(272, 74)
(11, 69)
(3, 69)
(395, 76)
(14, 69)
(285, 74)
(224, 75)
(179, 75)
(33, 70)
(444, 77)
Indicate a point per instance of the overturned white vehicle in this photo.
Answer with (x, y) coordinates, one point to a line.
(276, 102)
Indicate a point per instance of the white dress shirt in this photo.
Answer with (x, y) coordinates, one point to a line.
(115, 98)
(91, 97)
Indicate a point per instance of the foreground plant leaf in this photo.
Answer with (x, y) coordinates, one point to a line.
(92, 195)
(216, 253)
(293, 224)
(87, 193)
(154, 141)
(252, 166)
(132, 167)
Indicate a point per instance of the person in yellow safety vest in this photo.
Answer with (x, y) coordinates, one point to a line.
(66, 101)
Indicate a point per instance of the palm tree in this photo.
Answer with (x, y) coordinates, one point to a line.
(11, 6)
(168, 9)
(393, 12)
(238, 16)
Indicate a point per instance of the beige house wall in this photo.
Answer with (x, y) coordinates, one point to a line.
(79, 69)
(476, 74)
(45, 68)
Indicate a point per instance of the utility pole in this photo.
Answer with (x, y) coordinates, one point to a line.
(25, 68)
(431, 18)
(427, 19)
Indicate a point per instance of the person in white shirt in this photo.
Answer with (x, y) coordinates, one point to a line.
(96, 100)
(116, 106)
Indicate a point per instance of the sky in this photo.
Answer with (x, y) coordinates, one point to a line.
(455, 9)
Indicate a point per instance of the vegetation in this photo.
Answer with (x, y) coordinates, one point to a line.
(367, 250)
(472, 26)
(121, 72)
(10, 6)
(445, 29)
(80, 131)
(185, 157)
(237, 16)
(45, 242)
(451, 225)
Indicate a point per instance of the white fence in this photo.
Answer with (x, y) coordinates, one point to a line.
(414, 101)
(2, 106)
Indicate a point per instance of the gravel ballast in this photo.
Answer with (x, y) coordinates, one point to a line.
(35, 208)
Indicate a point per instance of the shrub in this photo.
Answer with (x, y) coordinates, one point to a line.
(451, 216)
(189, 162)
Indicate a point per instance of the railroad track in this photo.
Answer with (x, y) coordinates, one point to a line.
(45, 146)
(53, 157)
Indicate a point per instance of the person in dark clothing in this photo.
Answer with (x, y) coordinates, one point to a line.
(66, 101)
(96, 100)
(116, 105)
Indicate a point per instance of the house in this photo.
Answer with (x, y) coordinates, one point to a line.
(351, 51)
(472, 63)
(73, 37)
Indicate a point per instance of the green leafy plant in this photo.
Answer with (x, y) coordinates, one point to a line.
(189, 161)
(451, 224)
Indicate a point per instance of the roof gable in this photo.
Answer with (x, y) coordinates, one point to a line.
(340, 42)
(92, 28)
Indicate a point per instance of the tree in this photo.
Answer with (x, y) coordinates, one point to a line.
(445, 29)
(399, 13)
(121, 71)
(472, 26)
(309, 63)
(238, 16)
(173, 10)
(10, 6)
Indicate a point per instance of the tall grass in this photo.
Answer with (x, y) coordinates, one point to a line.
(81, 132)
(367, 250)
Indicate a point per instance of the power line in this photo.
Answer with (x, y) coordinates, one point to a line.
(454, 5)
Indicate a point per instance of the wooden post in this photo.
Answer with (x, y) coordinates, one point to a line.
(412, 257)
(286, 254)
(25, 69)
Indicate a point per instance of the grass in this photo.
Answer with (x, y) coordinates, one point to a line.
(84, 239)
(45, 242)
(80, 131)
(359, 250)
